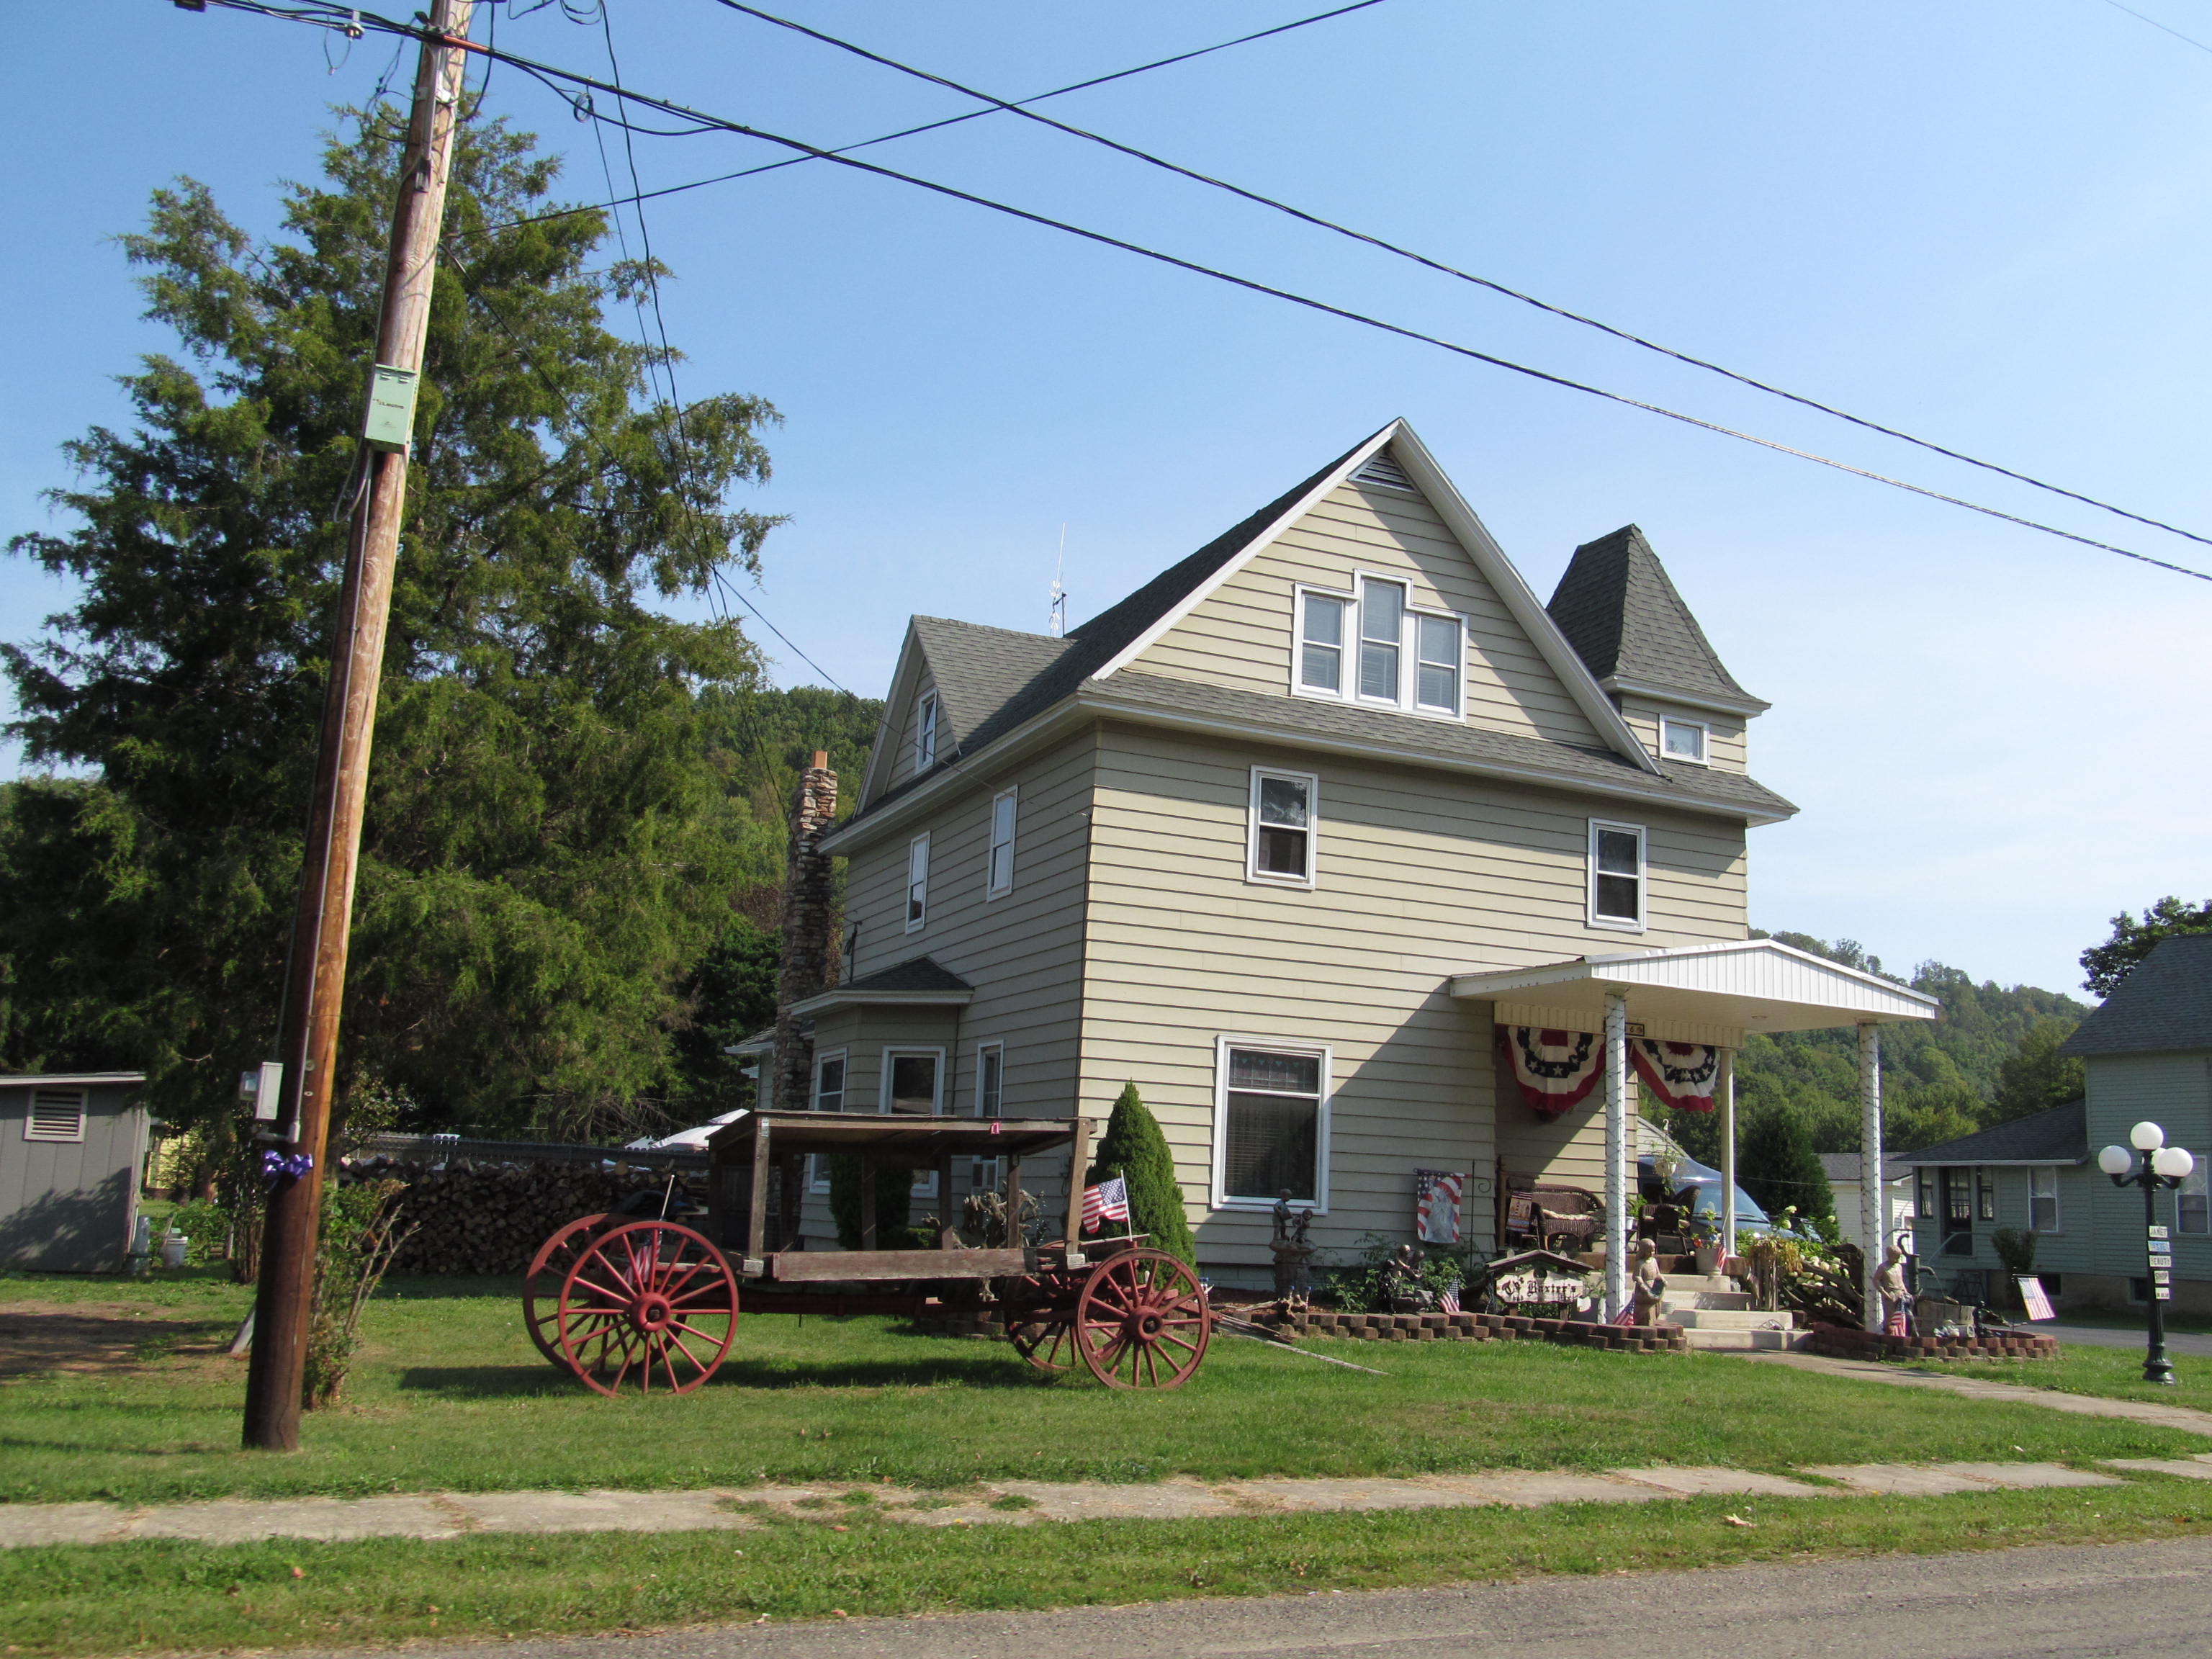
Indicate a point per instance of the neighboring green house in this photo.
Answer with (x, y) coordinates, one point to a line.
(1318, 836)
(2147, 1053)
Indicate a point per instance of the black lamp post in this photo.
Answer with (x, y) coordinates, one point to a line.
(2161, 1166)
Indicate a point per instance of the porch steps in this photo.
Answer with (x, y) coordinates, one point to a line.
(1718, 1316)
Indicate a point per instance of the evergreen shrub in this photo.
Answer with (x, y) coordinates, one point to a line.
(1133, 1148)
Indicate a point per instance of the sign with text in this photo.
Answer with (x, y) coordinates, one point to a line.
(1538, 1276)
(2031, 1296)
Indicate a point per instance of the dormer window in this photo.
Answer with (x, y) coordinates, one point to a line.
(1402, 656)
(925, 732)
(1683, 740)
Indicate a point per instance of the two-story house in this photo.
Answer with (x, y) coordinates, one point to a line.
(1298, 837)
(2147, 1057)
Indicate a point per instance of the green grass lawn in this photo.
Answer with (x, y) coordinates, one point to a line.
(449, 1393)
(114, 1598)
(2116, 1373)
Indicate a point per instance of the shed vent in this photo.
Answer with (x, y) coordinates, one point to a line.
(56, 1115)
(1381, 470)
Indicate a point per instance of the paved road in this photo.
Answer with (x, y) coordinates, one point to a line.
(2103, 1336)
(2125, 1600)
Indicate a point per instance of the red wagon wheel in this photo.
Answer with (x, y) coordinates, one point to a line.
(1037, 1309)
(1142, 1321)
(541, 1286)
(649, 1305)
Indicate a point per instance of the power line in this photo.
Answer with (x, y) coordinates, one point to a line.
(949, 121)
(1425, 260)
(2154, 23)
(550, 76)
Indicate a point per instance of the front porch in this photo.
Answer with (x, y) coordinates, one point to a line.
(1691, 1008)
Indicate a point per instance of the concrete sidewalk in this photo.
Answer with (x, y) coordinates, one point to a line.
(2187, 1419)
(432, 1515)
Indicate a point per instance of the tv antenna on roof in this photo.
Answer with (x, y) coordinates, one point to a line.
(1058, 622)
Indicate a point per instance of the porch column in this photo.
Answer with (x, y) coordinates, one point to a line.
(1871, 1219)
(1726, 1084)
(1617, 1103)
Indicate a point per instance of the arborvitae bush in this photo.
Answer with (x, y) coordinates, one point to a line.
(1133, 1148)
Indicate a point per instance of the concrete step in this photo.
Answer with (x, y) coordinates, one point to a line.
(1675, 1298)
(1744, 1341)
(1731, 1319)
(1716, 1282)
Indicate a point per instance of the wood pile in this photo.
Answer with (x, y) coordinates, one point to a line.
(488, 1217)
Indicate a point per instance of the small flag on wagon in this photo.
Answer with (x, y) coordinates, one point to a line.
(1108, 1201)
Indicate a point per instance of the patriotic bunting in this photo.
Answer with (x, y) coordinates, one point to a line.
(1681, 1075)
(1556, 1070)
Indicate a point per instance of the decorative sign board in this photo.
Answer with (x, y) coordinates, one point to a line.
(1537, 1277)
(2031, 1296)
(2159, 1249)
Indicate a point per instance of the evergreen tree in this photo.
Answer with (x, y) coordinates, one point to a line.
(2037, 1077)
(1133, 1148)
(547, 852)
(1776, 1164)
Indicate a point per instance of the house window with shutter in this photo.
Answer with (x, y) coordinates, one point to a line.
(55, 1114)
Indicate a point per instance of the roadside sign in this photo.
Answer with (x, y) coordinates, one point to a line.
(2032, 1297)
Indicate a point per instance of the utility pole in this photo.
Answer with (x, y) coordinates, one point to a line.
(315, 977)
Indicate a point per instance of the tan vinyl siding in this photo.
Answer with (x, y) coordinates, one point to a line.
(1419, 875)
(1240, 634)
(1725, 745)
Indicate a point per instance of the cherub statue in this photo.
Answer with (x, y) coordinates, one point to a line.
(1648, 1289)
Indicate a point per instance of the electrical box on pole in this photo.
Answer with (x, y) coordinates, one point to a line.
(390, 423)
(264, 1087)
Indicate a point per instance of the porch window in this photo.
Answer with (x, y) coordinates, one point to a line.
(1270, 1126)
(2192, 1201)
(990, 1078)
(911, 1080)
(2043, 1201)
(1320, 642)
(1000, 879)
(917, 883)
(829, 1081)
(1616, 874)
(1281, 835)
(1986, 1195)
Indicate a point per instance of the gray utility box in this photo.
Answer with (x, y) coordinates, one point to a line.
(391, 419)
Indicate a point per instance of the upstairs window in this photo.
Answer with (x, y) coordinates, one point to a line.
(917, 883)
(55, 1114)
(910, 1083)
(830, 1082)
(1381, 631)
(1616, 874)
(1683, 740)
(1320, 643)
(1280, 847)
(2043, 1201)
(1437, 686)
(1001, 872)
(925, 732)
(990, 1078)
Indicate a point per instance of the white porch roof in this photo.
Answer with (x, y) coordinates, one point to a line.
(1715, 993)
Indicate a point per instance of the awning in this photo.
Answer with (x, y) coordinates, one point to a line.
(1715, 993)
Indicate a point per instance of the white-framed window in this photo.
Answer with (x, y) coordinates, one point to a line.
(1321, 618)
(1285, 819)
(917, 883)
(999, 879)
(913, 1083)
(1270, 1124)
(55, 1114)
(986, 1175)
(829, 1081)
(1616, 875)
(1683, 740)
(2192, 1200)
(925, 731)
(990, 1078)
(2043, 1201)
(1374, 646)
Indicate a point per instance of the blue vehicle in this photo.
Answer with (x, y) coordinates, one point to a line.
(1690, 1175)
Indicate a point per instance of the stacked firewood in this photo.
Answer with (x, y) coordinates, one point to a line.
(490, 1218)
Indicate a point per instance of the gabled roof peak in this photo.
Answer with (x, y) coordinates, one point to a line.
(1624, 617)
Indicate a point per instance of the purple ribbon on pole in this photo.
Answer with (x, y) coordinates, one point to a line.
(276, 1167)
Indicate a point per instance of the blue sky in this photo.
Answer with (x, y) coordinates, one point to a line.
(1985, 222)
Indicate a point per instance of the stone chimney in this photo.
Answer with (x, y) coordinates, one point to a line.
(807, 965)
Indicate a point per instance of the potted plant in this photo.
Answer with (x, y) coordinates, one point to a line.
(1706, 1244)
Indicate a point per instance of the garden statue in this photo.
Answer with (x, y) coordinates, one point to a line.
(1896, 1297)
(1649, 1287)
(1293, 1254)
(1402, 1280)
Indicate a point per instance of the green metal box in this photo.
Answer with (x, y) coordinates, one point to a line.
(391, 419)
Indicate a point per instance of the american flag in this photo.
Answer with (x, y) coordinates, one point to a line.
(1448, 1301)
(1108, 1201)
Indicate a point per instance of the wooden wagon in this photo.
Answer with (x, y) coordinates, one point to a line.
(649, 1304)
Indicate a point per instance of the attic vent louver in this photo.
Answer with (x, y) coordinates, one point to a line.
(1381, 470)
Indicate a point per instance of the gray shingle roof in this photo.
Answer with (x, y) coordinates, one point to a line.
(2060, 1135)
(915, 974)
(2165, 1004)
(1690, 784)
(1621, 614)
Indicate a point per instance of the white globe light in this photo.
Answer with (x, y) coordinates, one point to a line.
(2147, 1137)
(2116, 1160)
(2173, 1161)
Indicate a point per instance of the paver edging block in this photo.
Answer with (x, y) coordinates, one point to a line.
(1842, 1342)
